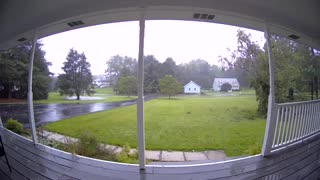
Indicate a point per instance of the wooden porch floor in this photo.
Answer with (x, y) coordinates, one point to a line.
(300, 161)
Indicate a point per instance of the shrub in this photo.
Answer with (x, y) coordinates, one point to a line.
(15, 126)
(50, 143)
(226, 87)
(127, 157)
(88, 145)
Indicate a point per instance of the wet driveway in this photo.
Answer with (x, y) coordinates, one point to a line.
(46, 113)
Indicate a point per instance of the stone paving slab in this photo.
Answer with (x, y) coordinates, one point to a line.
(133, 151)
(70, 139)
(195, 156)
(152, 155)
(215, 155)
(46, 133)
(117, 150)
(172, 156)
(109, 147)
(57, 137)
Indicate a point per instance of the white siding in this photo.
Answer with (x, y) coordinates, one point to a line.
(217, 83)
(192, 88)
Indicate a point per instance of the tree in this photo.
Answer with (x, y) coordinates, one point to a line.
(152, 69)
(226, 87)
(14, 72)
(250, 57)
(199, 71)
(77, 78)
(169, 86)
(128, 85)
(119, 66)
(168, 67)
(294, 67)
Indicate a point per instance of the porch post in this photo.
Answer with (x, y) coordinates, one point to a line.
(140, 103)
(270, 126)
(30, 95)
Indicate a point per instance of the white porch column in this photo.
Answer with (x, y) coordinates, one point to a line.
(140, 106)
(30, 94)
(271, 119)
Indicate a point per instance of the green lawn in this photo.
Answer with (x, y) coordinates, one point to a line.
(221, 123)
(105, 93)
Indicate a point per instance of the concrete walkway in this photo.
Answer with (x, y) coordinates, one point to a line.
(163, 156)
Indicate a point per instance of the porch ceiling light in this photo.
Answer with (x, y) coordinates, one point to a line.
(21, 39)
(204, 16)
(292, 36)
(75, 23)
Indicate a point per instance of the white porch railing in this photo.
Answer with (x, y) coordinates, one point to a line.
(295, 121)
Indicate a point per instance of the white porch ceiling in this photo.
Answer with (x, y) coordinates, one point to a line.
(285, 17)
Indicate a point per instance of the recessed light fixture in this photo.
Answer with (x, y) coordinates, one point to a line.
(22, 39)
(211, 17)
(196, 15)
(204, 16)
(294, 36)
(75, 23)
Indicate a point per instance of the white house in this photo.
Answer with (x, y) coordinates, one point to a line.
(218, 82)
(100, 81)
(192, 88)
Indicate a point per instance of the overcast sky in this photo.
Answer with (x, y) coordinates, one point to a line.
(181, 40)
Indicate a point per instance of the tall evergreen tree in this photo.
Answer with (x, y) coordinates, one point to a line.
(77, 78)
(14, 72)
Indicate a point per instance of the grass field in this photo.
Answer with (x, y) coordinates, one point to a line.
(217, 123)
(105, 93)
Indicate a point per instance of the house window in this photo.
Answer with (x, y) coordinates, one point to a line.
(194, 89)
(189, 89)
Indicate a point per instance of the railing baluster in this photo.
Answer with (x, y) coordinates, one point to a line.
(315, 123)
(309, 120)
(295, 120)
(290, 120)
(284, 125)
(281, 126)
(305, 131)
(298, 125)
(315, 128)
(306, 120)
(312, 118)
(276, 132)
(288, 124)
(303, 113)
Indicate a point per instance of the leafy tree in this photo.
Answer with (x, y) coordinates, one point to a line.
(128, 85)
(152, 71)
(168, 67)
(118, 66)
(169, 86)
(197, 70)
(77, 78)
(226, 87)
(248, 57)
(14, 65)
(293, 66)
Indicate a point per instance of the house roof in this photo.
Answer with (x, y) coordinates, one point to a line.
(231, 81)
(191, 82)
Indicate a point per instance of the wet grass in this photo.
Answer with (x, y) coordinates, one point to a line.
(217, 123)
(105, 93)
